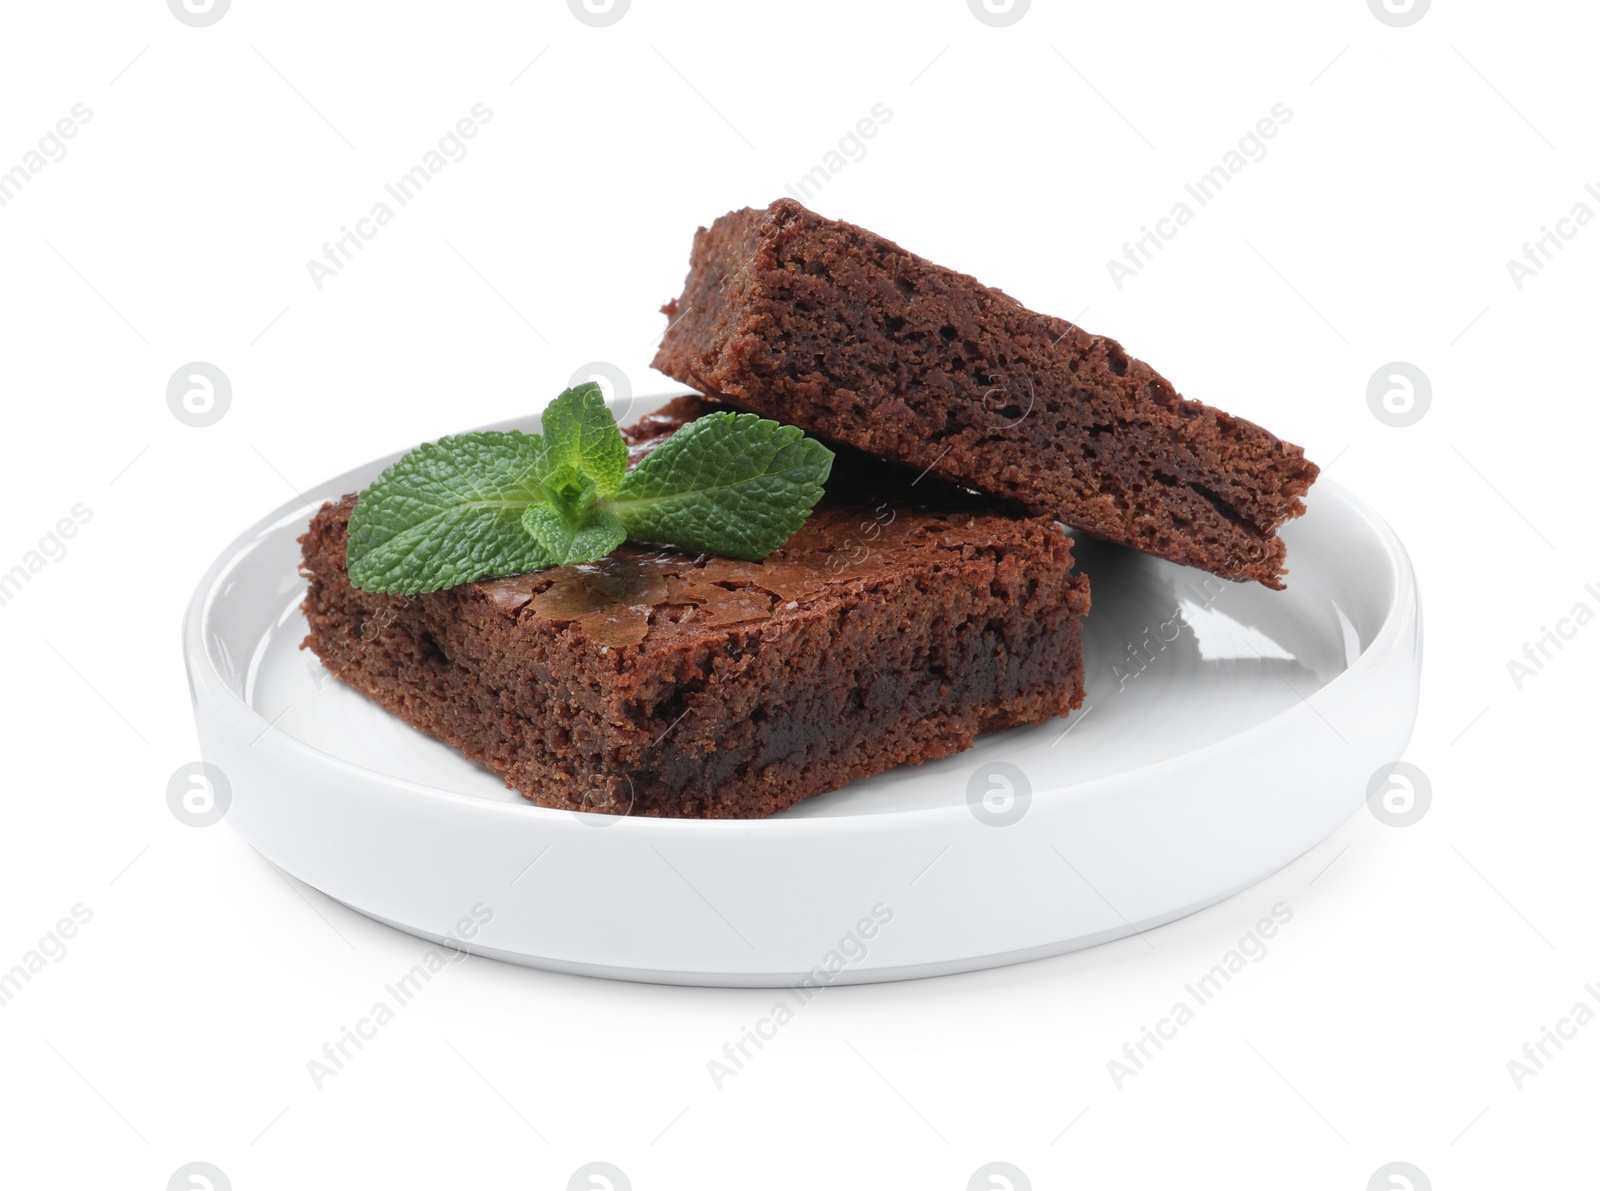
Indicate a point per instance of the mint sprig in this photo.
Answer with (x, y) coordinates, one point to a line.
(503, 502)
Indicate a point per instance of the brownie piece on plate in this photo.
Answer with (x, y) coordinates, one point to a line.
(901, 621)
(829, 327)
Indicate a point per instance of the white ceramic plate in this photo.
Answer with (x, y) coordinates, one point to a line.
(1227, 730)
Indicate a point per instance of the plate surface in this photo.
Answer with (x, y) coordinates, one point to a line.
(1227, 730)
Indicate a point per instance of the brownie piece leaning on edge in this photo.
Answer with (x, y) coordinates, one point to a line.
(895, 626)
(829, 327)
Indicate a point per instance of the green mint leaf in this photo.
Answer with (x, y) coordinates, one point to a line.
(580, 432)
(732, 484)
(450, 512)
(567, 543)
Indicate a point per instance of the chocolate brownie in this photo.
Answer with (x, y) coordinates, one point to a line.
(834, 329)
(900, 622)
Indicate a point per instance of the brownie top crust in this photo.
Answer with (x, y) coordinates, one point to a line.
(873, 522)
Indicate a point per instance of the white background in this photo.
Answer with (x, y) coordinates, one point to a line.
(1377, 228)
